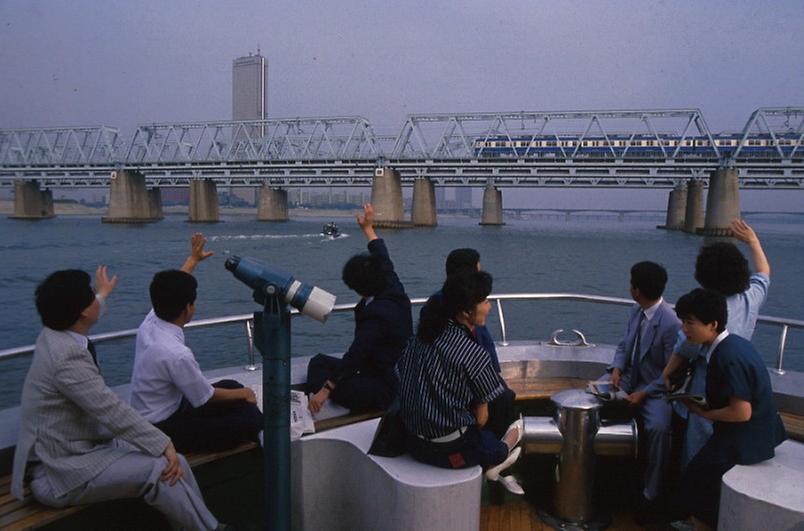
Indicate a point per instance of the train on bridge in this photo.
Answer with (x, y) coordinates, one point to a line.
(647, 146)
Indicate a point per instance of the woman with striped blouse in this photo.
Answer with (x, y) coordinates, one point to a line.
(446, 382)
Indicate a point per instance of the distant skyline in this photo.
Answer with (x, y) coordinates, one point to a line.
(78, 62)
(122, 63)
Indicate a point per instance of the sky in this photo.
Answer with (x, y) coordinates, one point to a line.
(125, 62)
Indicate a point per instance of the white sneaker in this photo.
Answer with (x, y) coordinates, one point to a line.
(493, 473)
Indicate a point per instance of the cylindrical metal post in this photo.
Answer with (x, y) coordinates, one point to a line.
(252, 363)
(272, 337)
(503, 333)
(780, 356)
(578, 418)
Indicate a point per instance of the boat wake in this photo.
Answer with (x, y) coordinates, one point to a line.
(226, 237)
(340, 236)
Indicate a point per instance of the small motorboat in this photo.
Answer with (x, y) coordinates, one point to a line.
(331, 230)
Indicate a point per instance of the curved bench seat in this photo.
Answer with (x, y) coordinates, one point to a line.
(337, 485)
(767, 495)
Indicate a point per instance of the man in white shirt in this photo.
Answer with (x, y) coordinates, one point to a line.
(71, 423)
(167, 385)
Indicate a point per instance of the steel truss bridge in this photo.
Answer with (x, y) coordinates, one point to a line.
(344, 151)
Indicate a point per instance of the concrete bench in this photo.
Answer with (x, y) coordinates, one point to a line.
(767, 495)
(337, 485)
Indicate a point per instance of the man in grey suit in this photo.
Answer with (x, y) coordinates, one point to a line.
(70, 418)
(637, 369)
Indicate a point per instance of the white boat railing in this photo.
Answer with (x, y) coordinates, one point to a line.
(246, 320)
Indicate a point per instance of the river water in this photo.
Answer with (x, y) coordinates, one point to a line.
(589, 254)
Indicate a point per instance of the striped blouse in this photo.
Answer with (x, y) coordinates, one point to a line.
(440, 381)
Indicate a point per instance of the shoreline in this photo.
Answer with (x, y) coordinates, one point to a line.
(78, 209)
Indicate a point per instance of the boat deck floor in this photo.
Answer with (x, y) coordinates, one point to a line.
(520, 515)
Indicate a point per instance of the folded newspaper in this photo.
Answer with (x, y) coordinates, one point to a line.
(682, 391)
(604, 390)
(301, 421)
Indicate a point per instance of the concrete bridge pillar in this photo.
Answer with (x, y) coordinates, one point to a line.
(155, 203)
(676, 208)
(203, 201)
(424, 203)
(386, 196)
(273, 204)
(492, 206)
(30, 202)
(694, 214)
(722, 202)
(130, 201)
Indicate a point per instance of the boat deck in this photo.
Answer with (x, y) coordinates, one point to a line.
(520, 515)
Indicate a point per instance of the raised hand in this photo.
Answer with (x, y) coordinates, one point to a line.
(367, 218)
(743, 231)
(103, 284)
(197, 253)
(366, 222)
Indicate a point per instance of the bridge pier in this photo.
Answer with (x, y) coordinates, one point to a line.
(676, 208)
(30, 202)
(386, 196)
(492, 206)
(130, 201)
(203, 201)
(424, 203)
(694, 213)
(155, 203)
(722, 202)
(273, 204)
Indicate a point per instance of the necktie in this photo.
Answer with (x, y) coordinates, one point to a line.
(91, 349)
(635, 354)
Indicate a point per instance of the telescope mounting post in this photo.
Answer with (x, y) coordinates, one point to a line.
(272, 339)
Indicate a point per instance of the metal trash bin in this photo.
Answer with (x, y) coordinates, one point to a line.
(577, 434)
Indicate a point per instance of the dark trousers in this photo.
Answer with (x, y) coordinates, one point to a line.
(359, 392)
(501, 413)
(475, 447)
(699, 494)
(213, 427)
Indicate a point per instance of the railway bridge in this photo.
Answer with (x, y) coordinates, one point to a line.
(667, 148)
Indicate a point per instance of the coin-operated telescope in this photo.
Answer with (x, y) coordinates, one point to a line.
(274, 290)
(310, 300)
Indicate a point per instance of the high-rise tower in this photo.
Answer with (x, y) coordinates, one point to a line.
(250, 88)
(249, 102)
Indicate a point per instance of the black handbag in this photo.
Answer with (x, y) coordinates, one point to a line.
(389, 439)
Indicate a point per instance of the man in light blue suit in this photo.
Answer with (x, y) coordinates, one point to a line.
(637, 369)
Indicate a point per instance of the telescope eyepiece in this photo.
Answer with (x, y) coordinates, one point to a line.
(231, 263)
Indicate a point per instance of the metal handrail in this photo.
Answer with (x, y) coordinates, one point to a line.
(246, 318)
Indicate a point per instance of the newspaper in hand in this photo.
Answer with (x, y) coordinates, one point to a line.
(682, 391)
(301, 421)
(605, 391)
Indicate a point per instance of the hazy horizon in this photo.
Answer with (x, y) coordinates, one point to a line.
(122, 63)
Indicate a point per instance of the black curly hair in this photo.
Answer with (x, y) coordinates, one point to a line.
(363, 273)
(722, 267)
